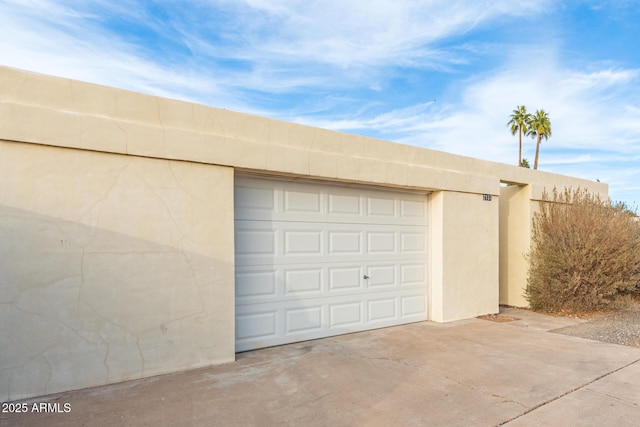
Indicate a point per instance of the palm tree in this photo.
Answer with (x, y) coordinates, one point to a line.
(540, 127)
(520, 123)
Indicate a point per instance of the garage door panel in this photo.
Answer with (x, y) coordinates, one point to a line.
(382, 309)
(412, 242)
(303, 199)
(316, 260)
(343, 204)
(254, 199)
(413, 274)
(346, 278)
(281, 242)
(345, 314)
(296, 320)
(413, 209)
(257, 198)
(381, 242)
(381, 207)
(255, 284)
(282, 322)
(381, 276)
(303, 281)
(303, 319)
(345, 242)
(257, 325)
(255, 242)
(412, 305)
(303, 242)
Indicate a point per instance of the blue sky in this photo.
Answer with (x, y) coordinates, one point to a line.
(441, 74)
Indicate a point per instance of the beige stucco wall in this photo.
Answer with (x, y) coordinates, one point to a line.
(515, 237)
(116, 226)
(112, 267)
(464, 256)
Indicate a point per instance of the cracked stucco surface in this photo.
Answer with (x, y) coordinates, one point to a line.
(112, 267)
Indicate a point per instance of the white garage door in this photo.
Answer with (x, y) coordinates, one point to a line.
(315, 260)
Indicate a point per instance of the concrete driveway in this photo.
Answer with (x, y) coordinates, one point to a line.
(468, 373)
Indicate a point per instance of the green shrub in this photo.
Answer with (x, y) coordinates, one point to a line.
(585, 253)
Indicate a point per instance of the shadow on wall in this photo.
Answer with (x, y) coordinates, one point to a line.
(82, 306)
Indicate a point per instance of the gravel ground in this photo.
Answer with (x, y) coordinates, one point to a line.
(621, 327)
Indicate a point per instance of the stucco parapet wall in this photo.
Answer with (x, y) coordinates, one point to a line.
(67, 113)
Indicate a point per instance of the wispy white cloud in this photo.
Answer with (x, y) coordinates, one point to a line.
(229, 48)
(70, 42)
(73, 39)
(361, 33)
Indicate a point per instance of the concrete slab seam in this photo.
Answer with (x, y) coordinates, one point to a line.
(569, 392)
(630, 402)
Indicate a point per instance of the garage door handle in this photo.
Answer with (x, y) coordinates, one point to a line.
(365, 277)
